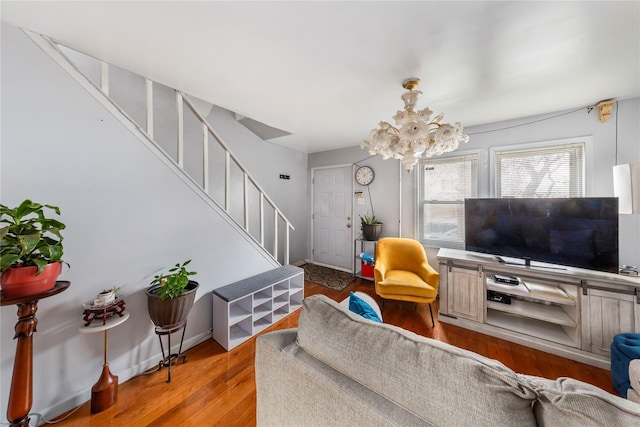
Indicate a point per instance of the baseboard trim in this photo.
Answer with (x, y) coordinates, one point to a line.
(125, 375)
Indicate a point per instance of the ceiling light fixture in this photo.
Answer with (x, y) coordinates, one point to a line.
(416, 134)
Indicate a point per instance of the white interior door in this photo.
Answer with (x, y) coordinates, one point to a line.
(332, 217)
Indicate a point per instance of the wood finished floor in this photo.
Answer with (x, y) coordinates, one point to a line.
(216, 387)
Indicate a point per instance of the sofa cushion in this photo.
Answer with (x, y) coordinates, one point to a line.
(359, 306)
(295, 389)
(440, 383)
(567, 402)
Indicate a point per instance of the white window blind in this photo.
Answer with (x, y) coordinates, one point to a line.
(444, 184)
(555, 171)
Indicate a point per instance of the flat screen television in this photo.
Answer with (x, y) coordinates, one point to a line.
(576, 232)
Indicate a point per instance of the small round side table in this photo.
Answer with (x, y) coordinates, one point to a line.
(104, 393)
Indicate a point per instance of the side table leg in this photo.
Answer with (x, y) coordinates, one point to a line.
(104, 393)
(21, 394)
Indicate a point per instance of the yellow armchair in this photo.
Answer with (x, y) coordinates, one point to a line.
(403, 273)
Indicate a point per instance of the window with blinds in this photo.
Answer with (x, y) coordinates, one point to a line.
(554, 171)
(443, 186)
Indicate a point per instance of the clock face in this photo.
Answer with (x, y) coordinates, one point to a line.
(364, 175)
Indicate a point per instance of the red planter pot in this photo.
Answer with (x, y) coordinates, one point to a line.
(22, 281)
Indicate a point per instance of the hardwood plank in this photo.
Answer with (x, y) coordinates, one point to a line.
(216, 387)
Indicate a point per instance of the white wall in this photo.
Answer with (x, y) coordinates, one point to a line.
(128, 217)
(602, 157)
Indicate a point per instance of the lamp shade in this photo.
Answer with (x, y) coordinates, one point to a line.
(626, 187)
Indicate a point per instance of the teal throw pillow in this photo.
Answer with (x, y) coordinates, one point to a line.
(360, 306)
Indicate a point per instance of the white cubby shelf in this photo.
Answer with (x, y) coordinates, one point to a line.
(249, 306)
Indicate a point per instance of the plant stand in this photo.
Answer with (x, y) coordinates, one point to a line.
(21, 392)
(104, 392)
(171, 359)
(102, 313)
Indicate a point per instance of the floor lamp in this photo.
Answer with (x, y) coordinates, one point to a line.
(626, 187)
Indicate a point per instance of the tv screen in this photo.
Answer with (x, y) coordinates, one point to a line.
(576, 232)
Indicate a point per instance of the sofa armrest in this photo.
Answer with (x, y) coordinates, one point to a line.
(569, 402)
(278, 339)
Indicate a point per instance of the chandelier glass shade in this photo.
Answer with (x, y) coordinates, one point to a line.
(415, 134)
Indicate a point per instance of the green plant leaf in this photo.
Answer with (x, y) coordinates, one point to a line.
(368, 219)
(41, 263)
(54, 208)
(27, 207)
(28, 242)
(7, 260)
(174, 283)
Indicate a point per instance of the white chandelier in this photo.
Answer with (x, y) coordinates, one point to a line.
(416, 134)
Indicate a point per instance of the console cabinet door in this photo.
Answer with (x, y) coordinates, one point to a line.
(465, 293)
(604, 315)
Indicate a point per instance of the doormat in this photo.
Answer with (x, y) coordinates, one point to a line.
(327, 277)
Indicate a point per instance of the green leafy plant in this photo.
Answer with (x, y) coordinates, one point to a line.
(369, 219)
(174, 283)
(28, 237)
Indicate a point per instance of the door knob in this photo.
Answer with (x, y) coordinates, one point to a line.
(348, 225)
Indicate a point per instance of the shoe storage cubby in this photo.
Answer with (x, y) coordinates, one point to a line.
(247, 307)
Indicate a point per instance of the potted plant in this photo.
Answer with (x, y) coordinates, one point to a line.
(171, 296)
(371, 227)
(30, 249)
(106, 297)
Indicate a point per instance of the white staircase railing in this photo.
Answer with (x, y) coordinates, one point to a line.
(240, 213)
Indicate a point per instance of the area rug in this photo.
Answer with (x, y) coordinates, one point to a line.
(327, 277)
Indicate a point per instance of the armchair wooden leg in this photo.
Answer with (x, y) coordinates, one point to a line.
(433, 324)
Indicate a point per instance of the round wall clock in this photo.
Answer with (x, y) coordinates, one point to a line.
(364, 175)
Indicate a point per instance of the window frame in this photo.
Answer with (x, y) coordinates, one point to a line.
(587, 141)
(420, 202)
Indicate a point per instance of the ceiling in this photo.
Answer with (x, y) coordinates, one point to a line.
(328, 72)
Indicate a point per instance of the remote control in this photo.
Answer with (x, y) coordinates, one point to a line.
(509, 280)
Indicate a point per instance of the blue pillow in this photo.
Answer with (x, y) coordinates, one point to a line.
(360, 306)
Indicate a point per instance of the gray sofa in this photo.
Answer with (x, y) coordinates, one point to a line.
(338, 368)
